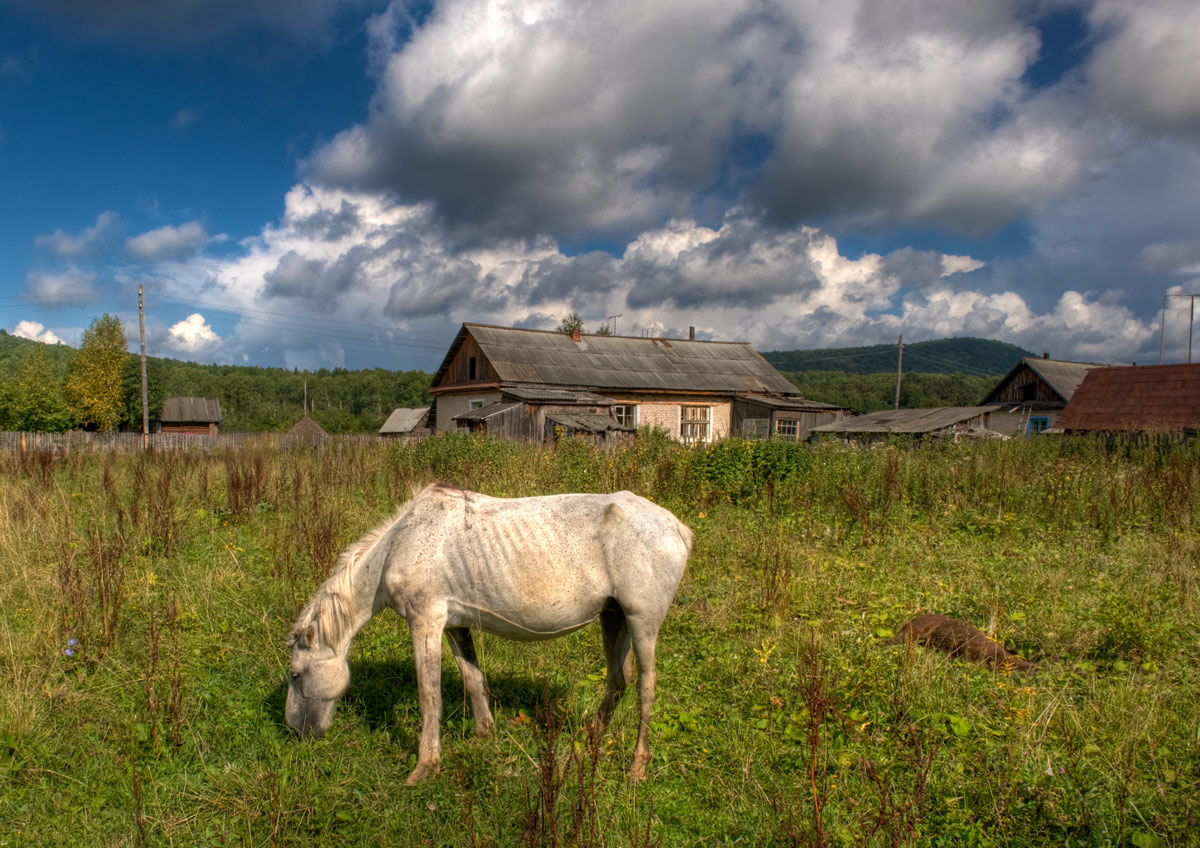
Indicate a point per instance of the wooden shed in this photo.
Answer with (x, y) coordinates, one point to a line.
(193, 416)
(406, 421)
(793, 418)
(686, 387)
(1034, 393)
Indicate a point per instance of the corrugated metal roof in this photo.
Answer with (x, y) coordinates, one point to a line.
(620, 362)
(178, 410)
(1145, 397)
(538, 394)
(403, 419)
(800, 404)
(485, 412)
(907, 420)
(588, 422)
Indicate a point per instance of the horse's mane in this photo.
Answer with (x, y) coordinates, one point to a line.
(329, 608)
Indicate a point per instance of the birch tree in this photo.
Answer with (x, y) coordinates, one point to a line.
(94, 384)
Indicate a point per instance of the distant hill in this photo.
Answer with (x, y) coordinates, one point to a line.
(944, 356)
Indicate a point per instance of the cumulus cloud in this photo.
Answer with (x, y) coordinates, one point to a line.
(63, 288)
(396, 276)
(551, 116)
(89, 242)
(168, 242)
(34, 331)
(193, 335)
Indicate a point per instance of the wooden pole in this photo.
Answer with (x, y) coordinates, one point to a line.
(899, 367)
(145, 387)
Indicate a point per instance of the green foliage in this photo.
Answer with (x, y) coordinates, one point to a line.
(944, 356)
(36, 399)
(94, 384)
(603, 330)
(571, 323)
(871, 392)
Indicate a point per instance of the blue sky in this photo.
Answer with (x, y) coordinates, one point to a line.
(340, 183)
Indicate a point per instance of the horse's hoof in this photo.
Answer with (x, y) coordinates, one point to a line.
(422, 771)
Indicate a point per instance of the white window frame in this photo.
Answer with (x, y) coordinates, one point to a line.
(476, 403)
(792, 424)
(629, 411)
(707, 421)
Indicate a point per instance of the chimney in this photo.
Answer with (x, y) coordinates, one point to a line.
(691, 334)
(576, 335)
(1045, 356)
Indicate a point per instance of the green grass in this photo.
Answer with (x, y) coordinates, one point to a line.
(782, 718)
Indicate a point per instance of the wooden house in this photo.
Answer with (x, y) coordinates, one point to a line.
(405, 421)
(947, 421)
(538, 384)
(1034, 393)
(1158, 399)
(191, 416)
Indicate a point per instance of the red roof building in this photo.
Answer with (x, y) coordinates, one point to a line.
(1137, 398)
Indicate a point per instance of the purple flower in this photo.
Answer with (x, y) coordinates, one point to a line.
(69, 652)
(70, 643)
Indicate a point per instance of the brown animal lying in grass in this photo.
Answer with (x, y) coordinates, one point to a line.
(959, 639)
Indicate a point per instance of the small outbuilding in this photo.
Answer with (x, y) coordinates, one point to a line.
(780, 417)
(191, 416)
(952, 421)
(1034, 393)
(406, 421)
(1163, 399)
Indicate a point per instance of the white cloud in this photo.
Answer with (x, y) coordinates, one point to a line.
(89, 242)
(36, 332)
(63, 288)
(183, 119)
(168, 242)
(193, 335)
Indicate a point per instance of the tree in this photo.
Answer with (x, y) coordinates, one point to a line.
(571, 323)
(94, 385)
(36, 400)
(603, 330)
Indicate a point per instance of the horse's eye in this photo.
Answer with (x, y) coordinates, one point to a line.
(295, 675)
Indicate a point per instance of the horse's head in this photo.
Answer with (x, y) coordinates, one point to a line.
(317, 678)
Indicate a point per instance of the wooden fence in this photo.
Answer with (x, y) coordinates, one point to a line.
(79, 441)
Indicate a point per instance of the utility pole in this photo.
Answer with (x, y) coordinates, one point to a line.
(899, 366)
(145, 387)
(1162, 326)
(1191, 323)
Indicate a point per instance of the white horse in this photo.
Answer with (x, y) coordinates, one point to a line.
(525, 569)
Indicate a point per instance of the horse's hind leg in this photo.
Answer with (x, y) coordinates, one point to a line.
(463, 648)
(617, 658)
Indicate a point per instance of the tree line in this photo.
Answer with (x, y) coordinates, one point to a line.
(52, 388)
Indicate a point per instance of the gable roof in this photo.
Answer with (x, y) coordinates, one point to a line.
(551, 358)
(907, 420)
(1060, 375)
(403, 419)
(178, 410)
(1143, 397)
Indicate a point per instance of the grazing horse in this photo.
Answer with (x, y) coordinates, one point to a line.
(525, 569)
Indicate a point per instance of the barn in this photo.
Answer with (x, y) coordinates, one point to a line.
(536, 384)
(193, 416)
(1161, 399)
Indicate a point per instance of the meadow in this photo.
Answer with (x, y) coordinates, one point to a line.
(146, 601)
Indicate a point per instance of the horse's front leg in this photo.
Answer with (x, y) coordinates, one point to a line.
(427, 657)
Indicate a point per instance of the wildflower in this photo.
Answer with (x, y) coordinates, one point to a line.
(70, 646)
